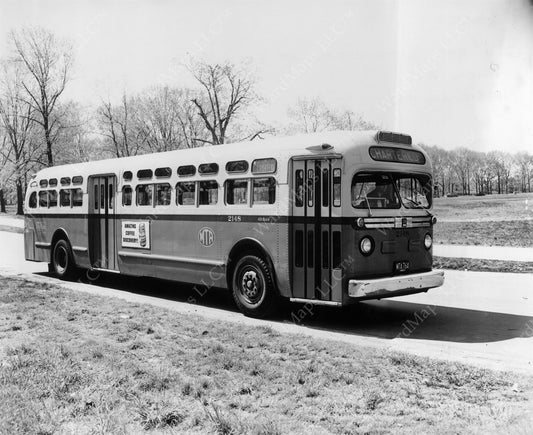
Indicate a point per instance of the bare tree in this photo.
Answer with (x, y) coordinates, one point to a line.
(75, 142)
(524, 164)
(313, 115)
(193, 129)
(115, 124)
(47, 62)
(16, 122)
(227, 91)
(310, 116)
(167, 119)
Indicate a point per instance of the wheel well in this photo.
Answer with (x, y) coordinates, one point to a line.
(243, 247)
(59, 234)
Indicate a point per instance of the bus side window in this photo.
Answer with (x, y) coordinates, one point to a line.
(264, 191)
(32, 203)
(126, 195)
(64, 197)
(185, 193)
(77, 197)
(325, 187)
(336, 187)
(299, 188)
(208, 193)
(237, 192)
(162, 194)
(310, 187)
(144, 194)
(43, 199)
(110, 196)
(52, 198)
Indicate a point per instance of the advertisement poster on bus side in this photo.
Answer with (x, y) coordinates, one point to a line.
(136, 234)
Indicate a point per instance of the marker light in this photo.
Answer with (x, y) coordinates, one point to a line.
(433, 220)
(322, 147)
(360, 222)
(366, 246)
(428, 241)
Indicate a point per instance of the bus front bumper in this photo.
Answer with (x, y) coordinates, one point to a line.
(395, 286)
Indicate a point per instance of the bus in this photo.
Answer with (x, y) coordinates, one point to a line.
(326, 218)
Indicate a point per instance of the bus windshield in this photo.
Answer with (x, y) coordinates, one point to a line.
(390, 190)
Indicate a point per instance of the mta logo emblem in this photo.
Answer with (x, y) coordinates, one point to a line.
(206, 236)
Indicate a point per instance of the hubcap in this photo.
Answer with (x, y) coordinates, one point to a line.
(251, 286)
(61, 259)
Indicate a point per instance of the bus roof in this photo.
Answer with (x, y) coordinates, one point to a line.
(277, 147)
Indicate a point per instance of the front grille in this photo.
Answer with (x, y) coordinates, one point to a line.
(398, 222)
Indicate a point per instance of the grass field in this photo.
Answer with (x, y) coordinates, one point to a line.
(480, 265)
(485, 208)
(492, 220)
(75, 363)
(493, 233)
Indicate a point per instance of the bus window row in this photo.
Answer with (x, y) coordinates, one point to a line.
(64, 181)
(259, 166)
(243, 191)
(50, 198)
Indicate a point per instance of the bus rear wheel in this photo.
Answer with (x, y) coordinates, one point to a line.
(253, 287)
(62, 260)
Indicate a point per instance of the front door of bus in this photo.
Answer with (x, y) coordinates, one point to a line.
(315, 229)
(102, 227)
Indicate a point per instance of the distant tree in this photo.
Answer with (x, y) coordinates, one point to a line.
(227, 91)
(462, 160)
(442, 171)
(47, 62)
(524, 164)
(310, 116)
(502, 164)
(313, 115)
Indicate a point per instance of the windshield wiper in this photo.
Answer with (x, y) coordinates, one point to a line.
(368, 206)
(417, 206)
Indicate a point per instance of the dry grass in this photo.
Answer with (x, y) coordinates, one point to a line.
(479, 265)
(485, 208)
(494, 233)
(75, 363)
(491, 220)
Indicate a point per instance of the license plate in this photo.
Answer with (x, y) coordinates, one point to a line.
(401, 266)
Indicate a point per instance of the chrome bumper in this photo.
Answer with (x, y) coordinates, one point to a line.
(386, 287)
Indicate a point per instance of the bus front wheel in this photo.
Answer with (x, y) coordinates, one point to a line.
(62, 260)
(253, 287)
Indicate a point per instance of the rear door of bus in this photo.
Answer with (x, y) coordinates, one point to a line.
(102, 224)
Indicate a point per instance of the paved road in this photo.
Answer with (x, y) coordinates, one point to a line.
(479, 318)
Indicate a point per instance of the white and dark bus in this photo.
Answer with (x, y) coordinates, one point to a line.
(329, 218)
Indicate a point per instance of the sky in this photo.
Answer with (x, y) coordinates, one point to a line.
(450, 73)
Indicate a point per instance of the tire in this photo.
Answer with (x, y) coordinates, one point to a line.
(253, 287)
(62, 260)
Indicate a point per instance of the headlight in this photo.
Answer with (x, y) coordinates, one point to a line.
(366, 246)
(428, 241)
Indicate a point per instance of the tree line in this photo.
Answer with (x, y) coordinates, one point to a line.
(39, 127)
